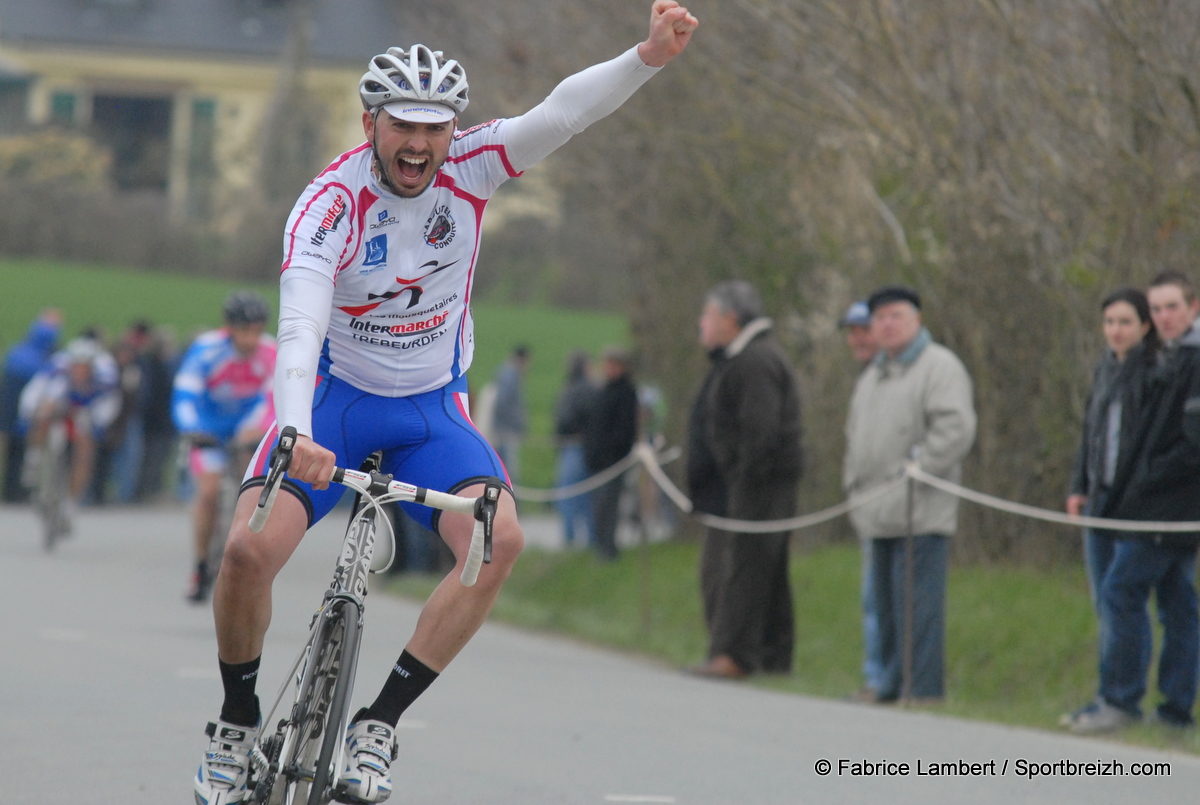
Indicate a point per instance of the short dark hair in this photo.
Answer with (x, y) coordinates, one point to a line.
(893, 293)
(1179, 280)
(737, 297)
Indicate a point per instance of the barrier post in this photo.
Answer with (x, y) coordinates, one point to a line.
(909, 604)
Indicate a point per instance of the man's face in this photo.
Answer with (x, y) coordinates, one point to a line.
(1171, 312)
(79, 375)
(894, 325)
(861, 342)
(410, 153)
(717, 327)
(245, 338)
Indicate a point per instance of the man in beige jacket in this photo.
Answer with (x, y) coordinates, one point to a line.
(913, 403)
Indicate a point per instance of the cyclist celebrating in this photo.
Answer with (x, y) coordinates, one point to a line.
(80, 388)
(378, 360)
(220, 394)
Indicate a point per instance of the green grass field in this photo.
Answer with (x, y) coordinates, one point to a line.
(1021, 642)
(112, 297)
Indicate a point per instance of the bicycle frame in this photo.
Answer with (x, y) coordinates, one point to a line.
(287, 765)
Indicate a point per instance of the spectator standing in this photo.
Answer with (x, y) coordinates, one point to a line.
(913, 403)
(571, 411)
(24, 360)
(1157, 479)
(610, 435)
(510, 419)
(856, 324)
(745, 460)
(159, 363)
(1112, 405)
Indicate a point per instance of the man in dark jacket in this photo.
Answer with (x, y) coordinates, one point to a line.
(1157, 479)
(745, 463)
(609, 436)
(22, 362)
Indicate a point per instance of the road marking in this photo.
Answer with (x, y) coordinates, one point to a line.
(637, 798)
(198, 673)
(63, 635)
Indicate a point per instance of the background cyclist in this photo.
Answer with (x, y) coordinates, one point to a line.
(397, 222)
(80, 387)
(219, 398)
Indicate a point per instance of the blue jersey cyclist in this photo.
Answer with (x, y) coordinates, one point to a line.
(220, 397)
(375, 338)
(79, 388)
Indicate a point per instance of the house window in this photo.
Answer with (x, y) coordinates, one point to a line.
(137, 131)
(62, 109)
(13, 97)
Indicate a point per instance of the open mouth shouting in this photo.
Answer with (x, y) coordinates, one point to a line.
(411, 172)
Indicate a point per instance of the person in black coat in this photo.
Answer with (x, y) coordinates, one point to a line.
(1157, 479)
(610, 435)
(745, 462)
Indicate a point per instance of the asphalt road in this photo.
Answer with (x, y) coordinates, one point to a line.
(107, 678)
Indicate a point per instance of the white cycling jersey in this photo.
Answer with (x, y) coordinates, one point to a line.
(375, 289)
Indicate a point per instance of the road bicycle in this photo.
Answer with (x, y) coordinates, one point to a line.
(301, 761)
(53, 467)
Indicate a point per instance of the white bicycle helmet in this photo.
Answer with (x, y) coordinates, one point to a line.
(418, 84)
(82, 350)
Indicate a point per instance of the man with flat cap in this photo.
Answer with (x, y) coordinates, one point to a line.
(913, 402)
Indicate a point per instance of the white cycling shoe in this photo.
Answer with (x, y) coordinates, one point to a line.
(370, 746)
(225, 770)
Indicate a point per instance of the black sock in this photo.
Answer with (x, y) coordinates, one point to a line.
(408, 680)
(241, 705)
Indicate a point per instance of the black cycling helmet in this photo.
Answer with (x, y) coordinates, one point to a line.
(245, 307)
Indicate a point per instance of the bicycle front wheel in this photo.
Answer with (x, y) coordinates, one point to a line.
(319, 714)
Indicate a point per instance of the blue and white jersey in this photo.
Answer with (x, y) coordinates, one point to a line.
(378, 286)
(101, 397)
(216, 387)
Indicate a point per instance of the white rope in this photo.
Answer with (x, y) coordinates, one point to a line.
(1145, 526)
(642, 453)
(599, 479)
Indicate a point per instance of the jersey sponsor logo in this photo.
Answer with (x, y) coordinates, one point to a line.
(374, 300)
(409, 328)
(440, 228)
(333, 217)
(318, 256)
(383, 219)
(376, 251)
(422, 341)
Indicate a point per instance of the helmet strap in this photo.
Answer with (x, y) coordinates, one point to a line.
(377, 163)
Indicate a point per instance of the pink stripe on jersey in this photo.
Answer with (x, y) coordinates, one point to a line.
(287, 261)
(262, 456)
(337, 163)
(500, 150)
(478, 205)
(365, 199)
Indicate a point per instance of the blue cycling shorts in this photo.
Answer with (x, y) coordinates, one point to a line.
(427, 440)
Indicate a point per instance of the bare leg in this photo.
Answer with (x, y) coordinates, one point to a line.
(242, 596)
(82, 461)
(453, 612)
(204, 512)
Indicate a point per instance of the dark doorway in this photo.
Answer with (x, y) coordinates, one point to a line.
(137, 130)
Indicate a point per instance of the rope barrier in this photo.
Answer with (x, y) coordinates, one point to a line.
(1145, 526)
(643, 454)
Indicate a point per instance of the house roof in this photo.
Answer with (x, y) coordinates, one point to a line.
(345, 31)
